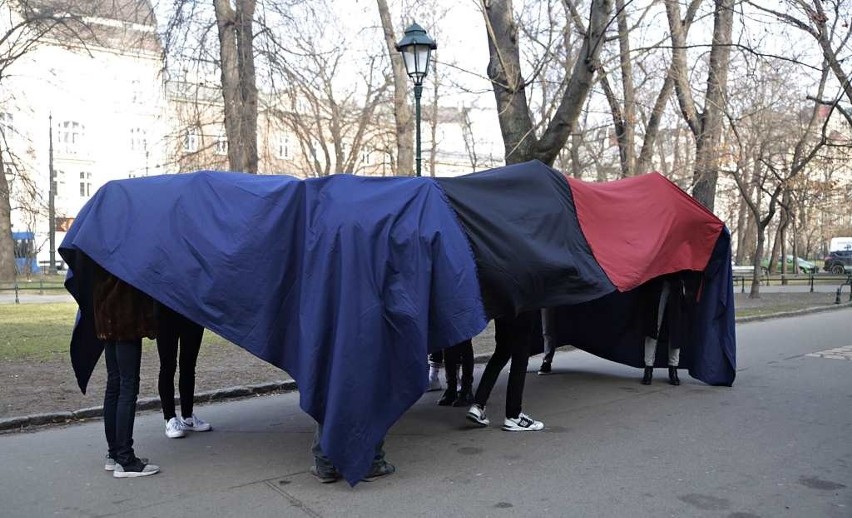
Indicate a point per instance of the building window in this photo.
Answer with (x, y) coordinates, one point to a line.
(58, 182)
(190, 140)
(365, 155)
(138, 140)
(282, 146)
(221, 143)
(136, 94)
(70, 137)
(85, 184)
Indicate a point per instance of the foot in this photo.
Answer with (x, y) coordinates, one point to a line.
(545, 368)
(109, 462)
(465, 398)
(522, 423)
(195, 424)
(649, 375)
(138, 469)
(476, 414)
(448, 398)
(324, 476)
(175, 429)
(434, 379)
(673, 379)
(379, 470)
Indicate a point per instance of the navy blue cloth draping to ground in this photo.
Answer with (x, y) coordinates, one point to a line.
(344, 282)
(348, 282)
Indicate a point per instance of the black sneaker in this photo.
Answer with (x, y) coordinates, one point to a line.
(545, 368)
(382, 469)
(326, 477)
(137, 469)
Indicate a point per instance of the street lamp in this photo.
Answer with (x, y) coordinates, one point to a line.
(416, 48)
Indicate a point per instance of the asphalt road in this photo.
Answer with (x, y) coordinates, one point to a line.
(775, 444)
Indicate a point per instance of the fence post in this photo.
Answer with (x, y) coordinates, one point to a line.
(17, 300)
(837, 297)
(41, 285)
(811, 279)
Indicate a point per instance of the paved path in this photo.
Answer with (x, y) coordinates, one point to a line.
(776, 444)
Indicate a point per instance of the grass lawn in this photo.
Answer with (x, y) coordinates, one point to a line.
(43, 331)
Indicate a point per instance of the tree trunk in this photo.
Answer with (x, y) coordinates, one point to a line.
(707, 127)
(504, 69)
(239, 90)
(7, 246)
(627, 138)
(401, 108)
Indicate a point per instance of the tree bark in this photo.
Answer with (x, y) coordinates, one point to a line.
(706, 126)
(504, 69)
(239, 90)
(401, 109)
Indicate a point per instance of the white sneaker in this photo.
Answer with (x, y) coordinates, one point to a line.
(522, 423)
(434, 379)
(175, 428)
(476, 414)
(195, 424)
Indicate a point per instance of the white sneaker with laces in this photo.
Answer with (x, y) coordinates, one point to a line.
(522, 423)
(175, 429)
(195, 424)
(476, 414)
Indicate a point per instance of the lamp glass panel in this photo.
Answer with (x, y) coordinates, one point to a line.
(408, 56)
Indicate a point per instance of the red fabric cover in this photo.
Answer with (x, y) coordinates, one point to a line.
(643, 227)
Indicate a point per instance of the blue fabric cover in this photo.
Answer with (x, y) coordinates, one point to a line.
(344, 282)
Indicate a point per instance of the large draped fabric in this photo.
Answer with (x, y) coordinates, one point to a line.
(346, 283)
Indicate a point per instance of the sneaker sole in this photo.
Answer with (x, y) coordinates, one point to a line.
(478, 422)
(517, 429)
(176, 436)
(133, 474)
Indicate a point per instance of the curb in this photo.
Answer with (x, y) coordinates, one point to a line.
(12, 424)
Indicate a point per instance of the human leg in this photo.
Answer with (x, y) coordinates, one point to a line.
(549, 341)
(436, 362)
(465, 351)
(674, 361)
(190, 344)
(516, 335)
(111, 397)
(451, 357)
(167, 350)
(323, 469)
(128, 357)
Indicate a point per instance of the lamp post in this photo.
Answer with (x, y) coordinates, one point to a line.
(416, 48)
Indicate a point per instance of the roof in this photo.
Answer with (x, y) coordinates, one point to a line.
(125, 25)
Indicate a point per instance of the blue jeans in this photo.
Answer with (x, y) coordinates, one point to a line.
(323, 463)
(123, 359)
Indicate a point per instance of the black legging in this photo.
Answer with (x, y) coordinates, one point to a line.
(462, 353)
(512, 336)
(173, 328)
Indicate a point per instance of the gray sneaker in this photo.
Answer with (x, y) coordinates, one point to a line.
(382, 469)
(141, 470)
(109, 462)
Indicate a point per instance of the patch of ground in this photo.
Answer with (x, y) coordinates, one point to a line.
(47, 386)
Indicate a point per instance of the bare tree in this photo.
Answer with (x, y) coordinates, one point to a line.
(706, 125)
(520, 138)
(401, 109)
(27, 25)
